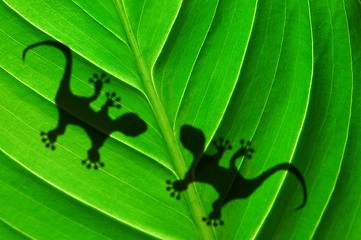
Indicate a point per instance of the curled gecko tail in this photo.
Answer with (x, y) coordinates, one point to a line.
(288, 168)
(64, 88)
(300, 178)
(58, 45)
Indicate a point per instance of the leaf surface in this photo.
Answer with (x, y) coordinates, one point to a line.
(283, 74)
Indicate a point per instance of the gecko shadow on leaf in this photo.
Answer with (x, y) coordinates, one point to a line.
(228, 182)
(76, 110)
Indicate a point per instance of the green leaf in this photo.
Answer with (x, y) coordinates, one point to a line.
(283, 74)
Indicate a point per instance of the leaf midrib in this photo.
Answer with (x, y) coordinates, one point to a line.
(164, 125)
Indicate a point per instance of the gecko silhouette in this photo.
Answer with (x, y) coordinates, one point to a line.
(228, 182)
(76, 110)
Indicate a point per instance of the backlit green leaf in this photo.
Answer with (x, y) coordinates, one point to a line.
(283, 74)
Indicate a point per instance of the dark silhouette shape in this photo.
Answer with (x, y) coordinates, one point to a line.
(73, 108)
(228, 182)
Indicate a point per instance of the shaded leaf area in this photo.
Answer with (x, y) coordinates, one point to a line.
(342, 215)
(282, 74)
(321, 149)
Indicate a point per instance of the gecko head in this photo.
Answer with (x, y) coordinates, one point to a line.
(192, 139)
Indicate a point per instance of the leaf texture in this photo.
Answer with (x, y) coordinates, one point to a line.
(283, 74)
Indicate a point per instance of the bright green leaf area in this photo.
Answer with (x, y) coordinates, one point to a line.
(284, 74)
